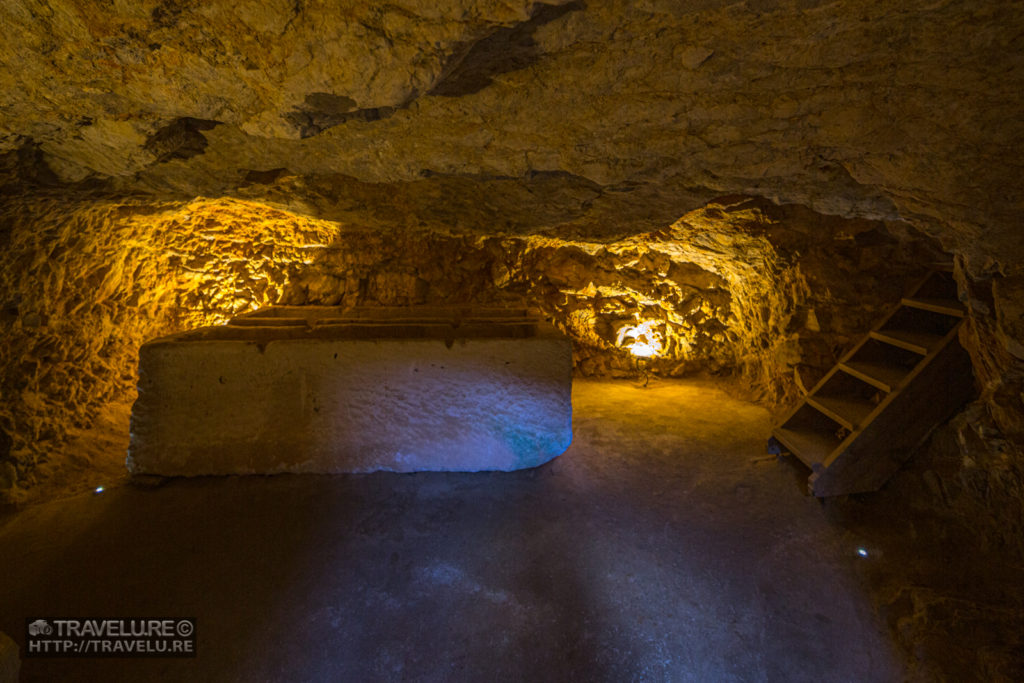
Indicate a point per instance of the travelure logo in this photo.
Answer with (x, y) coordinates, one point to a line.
(39, 627)
(119, 637)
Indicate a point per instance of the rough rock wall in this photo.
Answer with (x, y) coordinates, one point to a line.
(975, 467)
(741, 287)
(770, 293)
(87, 282)
(882, 109)
(995, 334)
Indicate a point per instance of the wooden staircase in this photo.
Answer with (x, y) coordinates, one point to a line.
(868, 413)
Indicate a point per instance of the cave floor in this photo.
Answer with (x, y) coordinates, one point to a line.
(663, 545)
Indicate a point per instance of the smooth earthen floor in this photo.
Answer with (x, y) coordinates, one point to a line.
(663, 546)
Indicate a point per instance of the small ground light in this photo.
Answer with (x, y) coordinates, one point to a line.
(862, 552)
(99, 489)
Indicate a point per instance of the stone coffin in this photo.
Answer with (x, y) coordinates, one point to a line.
(322, 389)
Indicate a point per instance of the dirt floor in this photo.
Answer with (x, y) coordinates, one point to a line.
(664, 545)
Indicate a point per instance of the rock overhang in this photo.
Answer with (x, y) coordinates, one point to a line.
(851, 108)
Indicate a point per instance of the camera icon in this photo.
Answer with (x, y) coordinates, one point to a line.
(40, 627)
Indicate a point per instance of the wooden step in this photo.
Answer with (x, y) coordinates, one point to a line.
(849, 412)
(944, 306)
(885, 377)
(911, 340)
(936, 388)
(810, 446)
(852, 436)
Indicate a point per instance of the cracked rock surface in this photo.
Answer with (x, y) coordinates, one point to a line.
(862, 109)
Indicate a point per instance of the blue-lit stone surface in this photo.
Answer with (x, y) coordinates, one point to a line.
(322, 390)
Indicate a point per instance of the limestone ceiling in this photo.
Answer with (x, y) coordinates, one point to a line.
(588, 116)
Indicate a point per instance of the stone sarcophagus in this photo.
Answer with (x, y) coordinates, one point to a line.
(323, 389)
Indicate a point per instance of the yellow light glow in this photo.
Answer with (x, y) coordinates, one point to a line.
(642, 349)
(229, 256)
(646, 342)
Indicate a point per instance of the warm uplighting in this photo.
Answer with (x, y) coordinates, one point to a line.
(229, 256)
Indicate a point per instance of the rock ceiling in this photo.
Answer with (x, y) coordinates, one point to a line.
(589, 117)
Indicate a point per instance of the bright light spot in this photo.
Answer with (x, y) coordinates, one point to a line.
(862, 552)
(646, 343)
(642, 349)
(99, 489)
(218, 319)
